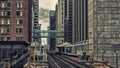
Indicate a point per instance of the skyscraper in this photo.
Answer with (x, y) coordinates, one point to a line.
(80, 22)
(60, 20)
(52, 42)
(68, 21)
(36, 25)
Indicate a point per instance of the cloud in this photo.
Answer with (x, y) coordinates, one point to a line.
(48, 4)
(44, 13)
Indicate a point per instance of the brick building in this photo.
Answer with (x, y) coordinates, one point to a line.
(15, 20)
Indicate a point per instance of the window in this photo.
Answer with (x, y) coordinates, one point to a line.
(19, 5)
(2, 22)
(8, 21)
(19, 13)
(18, 30)
(1, 30)
(8, 4)
(19, 38)
(19, 22)
(2, 13)
(8, 38)
(8, 30)
(3, 5)
(1, 38)
(8, 13)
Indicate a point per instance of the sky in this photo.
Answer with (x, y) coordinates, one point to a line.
(44, 14)
(46, 4)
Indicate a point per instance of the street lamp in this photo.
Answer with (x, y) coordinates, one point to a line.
(116, 58)
(103, 55)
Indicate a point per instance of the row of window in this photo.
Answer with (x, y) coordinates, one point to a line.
(7, 30)
(8, 13)
(8, 5)
(8, 39)
(2, 22)
(18, 22)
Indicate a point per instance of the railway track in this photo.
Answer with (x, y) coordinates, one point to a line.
(64, 62)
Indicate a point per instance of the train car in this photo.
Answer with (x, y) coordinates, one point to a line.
(70, 49)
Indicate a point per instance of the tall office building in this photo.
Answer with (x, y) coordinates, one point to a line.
(36, 14)
(68, 21)
(36, 26)
(52, 27)
(15, 20)
(104, 30)
(80, 23)
(60, 20)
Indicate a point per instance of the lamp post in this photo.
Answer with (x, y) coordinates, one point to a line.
(116, 58)
(103, 55)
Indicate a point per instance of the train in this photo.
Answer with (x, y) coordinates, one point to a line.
(74, 50)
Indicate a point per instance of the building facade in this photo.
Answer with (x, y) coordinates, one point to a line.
(36, 25)
(104, 34)
(15, 28)
(60, 20)
(52, 42)
(36, 14)
(15, 20)
(68, 21)
(80, 23)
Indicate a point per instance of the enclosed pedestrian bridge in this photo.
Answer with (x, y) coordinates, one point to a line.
(49, 33)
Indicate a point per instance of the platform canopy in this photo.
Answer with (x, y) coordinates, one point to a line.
(64, 44)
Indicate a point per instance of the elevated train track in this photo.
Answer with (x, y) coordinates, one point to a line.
(65, 62)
